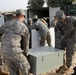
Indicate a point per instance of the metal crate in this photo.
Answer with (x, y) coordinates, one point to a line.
(43, 59)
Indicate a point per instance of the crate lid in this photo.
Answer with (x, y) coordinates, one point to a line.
(42, 51)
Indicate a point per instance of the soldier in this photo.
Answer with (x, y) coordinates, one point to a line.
(2, 71)
(68, 28)
(13, 16)
(44, 20)
(43, 31)
(12, 33)
(54, 22)
(29, 25)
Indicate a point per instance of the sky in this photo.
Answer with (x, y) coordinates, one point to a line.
(12, 5)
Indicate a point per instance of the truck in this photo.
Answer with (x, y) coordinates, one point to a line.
(43, 12)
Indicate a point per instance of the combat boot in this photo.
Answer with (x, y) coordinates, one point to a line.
(62, 69)
(69, 71)
(2, 72)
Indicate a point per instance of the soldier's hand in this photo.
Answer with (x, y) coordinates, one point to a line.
(25, 53)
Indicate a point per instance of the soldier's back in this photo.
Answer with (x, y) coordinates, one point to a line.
(12, 36)
(42, 26)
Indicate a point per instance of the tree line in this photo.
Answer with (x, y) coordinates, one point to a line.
(51, 3)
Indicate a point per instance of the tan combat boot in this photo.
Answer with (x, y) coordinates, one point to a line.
(69, 71)
(2, 72)
(61, 69)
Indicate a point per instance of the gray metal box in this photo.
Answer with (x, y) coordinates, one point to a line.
(44, 59)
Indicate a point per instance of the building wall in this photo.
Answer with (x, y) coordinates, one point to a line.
(1, 20)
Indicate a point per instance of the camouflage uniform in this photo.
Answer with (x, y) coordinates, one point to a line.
(68, 28)
(13, 32)
(1, 63)
(53, 23)
(1, 57)
(59, 37)
(29, 25)
(69, 31)
(43, 31)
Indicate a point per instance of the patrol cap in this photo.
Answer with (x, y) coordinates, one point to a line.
(35, 17)
(21, 12)
(59, 14)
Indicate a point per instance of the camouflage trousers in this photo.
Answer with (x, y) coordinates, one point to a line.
(1, 62)
(44, 38)
(71, 57)
(16, 63)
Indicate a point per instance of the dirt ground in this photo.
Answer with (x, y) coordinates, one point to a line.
(51, 74)
(48, 73)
